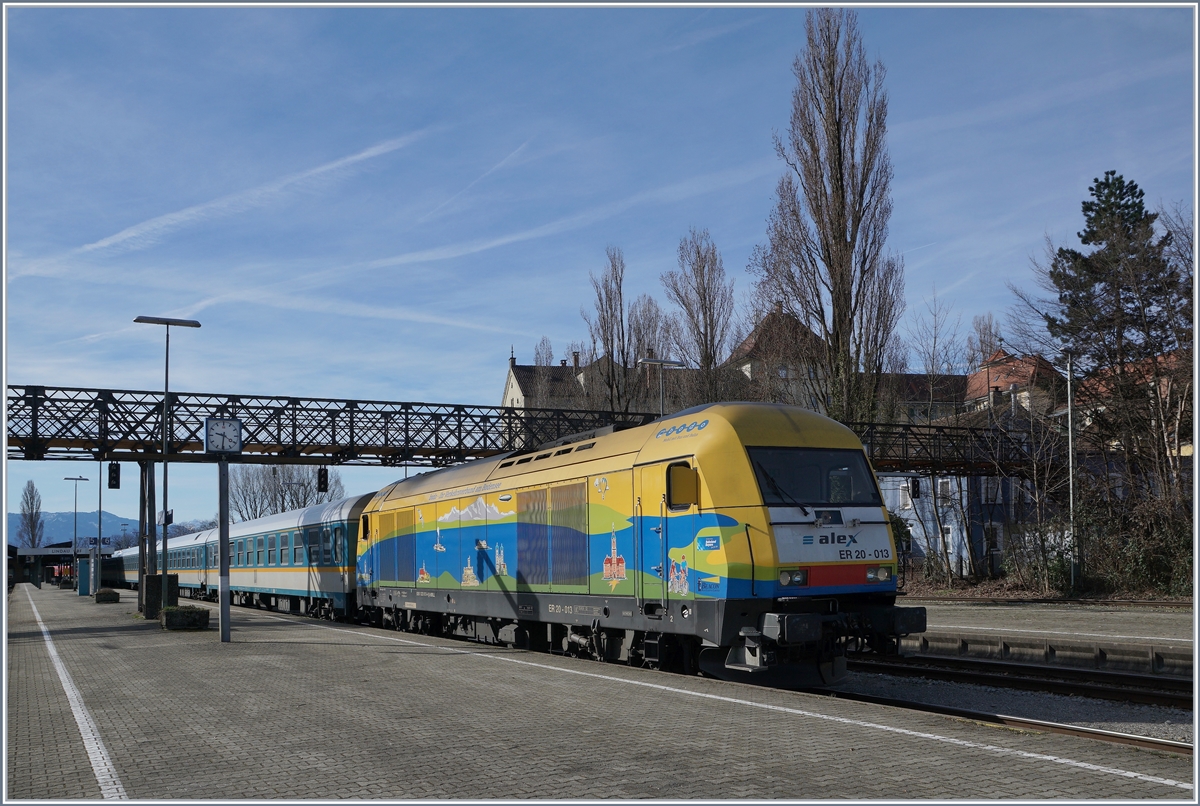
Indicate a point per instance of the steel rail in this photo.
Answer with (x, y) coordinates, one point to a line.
(1098, 684)
(1081, 602)
(1147, 742)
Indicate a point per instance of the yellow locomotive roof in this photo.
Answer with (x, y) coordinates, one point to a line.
(715, 434)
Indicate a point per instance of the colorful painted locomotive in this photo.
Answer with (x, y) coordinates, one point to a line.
(748, 540)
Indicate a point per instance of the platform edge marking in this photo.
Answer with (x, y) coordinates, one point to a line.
(102, 764)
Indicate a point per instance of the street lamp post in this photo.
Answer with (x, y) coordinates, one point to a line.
(661, 362)
(1071, 464)
(75, 531)
(166, 322)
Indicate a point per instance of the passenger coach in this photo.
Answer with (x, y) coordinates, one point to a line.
(300, 561)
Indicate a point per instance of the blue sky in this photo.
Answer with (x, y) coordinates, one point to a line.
(378, 202)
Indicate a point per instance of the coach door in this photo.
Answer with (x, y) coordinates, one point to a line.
(681, 500)
(650, 511)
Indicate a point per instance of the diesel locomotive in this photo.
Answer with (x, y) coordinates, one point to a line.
(746, 540)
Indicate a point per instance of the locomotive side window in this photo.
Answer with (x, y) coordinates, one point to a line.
(814, 476)
(683, 486)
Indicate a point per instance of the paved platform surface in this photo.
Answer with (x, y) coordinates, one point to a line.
(301, 709)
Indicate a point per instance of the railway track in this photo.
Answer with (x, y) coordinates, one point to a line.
(1020, 723)
(1172, 692)
(1133, 603)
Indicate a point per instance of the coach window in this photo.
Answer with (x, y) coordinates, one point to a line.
(297, 550)
(270, 549)
(261, 553)
(239, 552)
(284, 554)
(325, 552)
(314, 548)
(337, 545)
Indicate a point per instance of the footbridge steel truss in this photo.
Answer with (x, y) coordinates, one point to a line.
(126, 426)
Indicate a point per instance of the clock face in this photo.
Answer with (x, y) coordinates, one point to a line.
(223, 436)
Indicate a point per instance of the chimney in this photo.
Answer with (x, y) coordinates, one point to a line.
(575, 356)
(563, 362)
(1012, 392)
(512, 357)
(995, 397)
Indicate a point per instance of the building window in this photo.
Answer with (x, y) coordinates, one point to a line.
(905, 496)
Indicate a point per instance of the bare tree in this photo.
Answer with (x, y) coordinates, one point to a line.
(256, 491)
(983, 341)
(825, 253)
(933, 337)
(543, 360)
(704, 299)
(31, 528)
(609, 333)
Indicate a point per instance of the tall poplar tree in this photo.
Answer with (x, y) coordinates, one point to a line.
(825, 258)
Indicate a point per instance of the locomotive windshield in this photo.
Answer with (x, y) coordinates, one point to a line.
(814, 476)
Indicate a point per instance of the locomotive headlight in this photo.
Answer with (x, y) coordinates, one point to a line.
(798, 577)
(879, 574)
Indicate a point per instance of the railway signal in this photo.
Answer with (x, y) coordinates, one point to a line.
(114, 475)
(322, 479)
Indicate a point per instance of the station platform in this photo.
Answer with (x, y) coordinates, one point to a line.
(104, 704)
(1142, 639)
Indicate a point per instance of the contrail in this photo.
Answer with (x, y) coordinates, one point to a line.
(147, 232)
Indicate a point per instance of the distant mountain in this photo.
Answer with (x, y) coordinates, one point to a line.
(59, 526)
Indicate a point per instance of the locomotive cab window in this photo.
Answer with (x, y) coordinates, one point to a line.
(814, 476)
(683, 486)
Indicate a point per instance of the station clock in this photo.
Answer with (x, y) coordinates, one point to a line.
(222, 435)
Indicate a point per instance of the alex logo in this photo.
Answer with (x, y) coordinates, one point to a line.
(834, 539)
(682, 428)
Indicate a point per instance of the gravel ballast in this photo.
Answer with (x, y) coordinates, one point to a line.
(1141, 720)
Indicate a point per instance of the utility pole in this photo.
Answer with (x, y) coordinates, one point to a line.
(223, 527)
(1071, 464)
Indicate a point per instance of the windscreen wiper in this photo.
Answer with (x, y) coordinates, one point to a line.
(779, 490)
